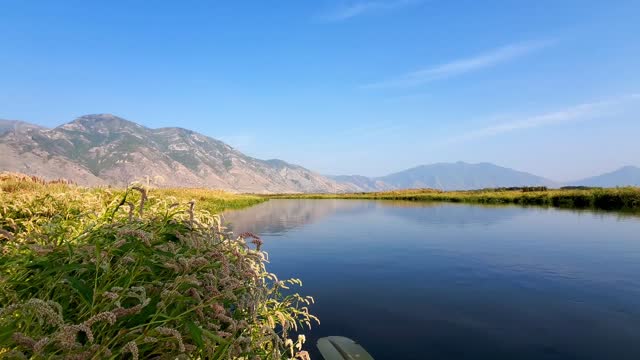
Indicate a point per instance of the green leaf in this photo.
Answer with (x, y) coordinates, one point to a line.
(196, 333)
(85, 292)
(214, 337)
(143, 316)
(6, 332)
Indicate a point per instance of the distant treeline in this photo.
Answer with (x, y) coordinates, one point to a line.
(516, 188)
(579, 187)
(536, 188)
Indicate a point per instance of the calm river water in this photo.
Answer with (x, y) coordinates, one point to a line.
(414, 280)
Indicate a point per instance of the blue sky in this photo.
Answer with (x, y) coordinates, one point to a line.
(343, 87)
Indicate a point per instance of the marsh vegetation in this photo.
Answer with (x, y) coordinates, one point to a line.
(626, 198)
(137, 273)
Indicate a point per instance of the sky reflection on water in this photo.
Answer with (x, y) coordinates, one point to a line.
(451, 281)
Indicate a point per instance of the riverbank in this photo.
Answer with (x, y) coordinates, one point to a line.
(627, 198)
(137, 273)
(214, 201)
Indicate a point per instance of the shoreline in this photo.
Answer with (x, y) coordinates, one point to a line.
(611, 199)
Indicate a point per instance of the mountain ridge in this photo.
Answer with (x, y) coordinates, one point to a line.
(15, 125)
(628, 175)
(104, 149)
(416, 177)
(450, 176)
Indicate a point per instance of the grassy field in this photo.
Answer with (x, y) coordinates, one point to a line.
(137, 273)
(627, 198)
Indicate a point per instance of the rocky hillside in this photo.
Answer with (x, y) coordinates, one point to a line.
(105, 149)
(363, 183)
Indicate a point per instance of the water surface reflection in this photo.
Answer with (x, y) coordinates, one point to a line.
(448, 281)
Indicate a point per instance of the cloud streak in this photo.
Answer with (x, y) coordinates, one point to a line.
(462, 66)
(345, 12)
(577, 113)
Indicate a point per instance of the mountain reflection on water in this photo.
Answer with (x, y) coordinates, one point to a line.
(276, 217)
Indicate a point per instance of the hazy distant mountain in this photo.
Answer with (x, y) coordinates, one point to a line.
(105, 149)
(625, 176)
(6, 125)
(449, 176)
(462, 176)
(15, 125)
(362, 183)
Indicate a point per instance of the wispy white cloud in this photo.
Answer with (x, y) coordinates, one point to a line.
(461, 66)
(345, 12)
(577, 113)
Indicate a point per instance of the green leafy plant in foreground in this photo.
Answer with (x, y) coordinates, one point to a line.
(150, 280)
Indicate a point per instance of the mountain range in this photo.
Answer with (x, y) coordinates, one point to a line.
(107, 150)
(461, 176)
(104, 149)
(465, 176)
(627, 175)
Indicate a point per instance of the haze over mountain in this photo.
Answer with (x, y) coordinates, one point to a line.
(105, 149)
(450, 176)
(625, 176)
(14, 125)
(362, 183)
(464, 176)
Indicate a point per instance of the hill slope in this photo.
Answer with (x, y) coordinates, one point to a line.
(462, 176)
(15, 125)
(628, 175)
(448, 176)
(105, 149)
(362, 183)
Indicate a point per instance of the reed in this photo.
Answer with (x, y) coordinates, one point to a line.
(626, 198)
(137, 273)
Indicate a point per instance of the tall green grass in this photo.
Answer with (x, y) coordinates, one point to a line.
(137, 273)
